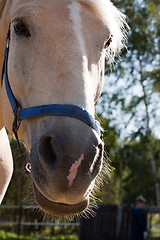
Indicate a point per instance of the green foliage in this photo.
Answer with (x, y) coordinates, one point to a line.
(131, 101)
(13, 236)
(109, 136)
(137, 172)
(17, 190)
(140, 63)
(132, 168)
(108, 192)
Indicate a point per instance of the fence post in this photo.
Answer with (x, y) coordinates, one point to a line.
(19, 219)
(101, 227)
(124, 233)
(119, 219)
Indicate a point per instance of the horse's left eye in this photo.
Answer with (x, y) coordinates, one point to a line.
(21, 29)
(108, 42)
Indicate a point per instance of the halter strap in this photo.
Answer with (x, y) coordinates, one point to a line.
(37, 111)
(67, 110)
(10, 94)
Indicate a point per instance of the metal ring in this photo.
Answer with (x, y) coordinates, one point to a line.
(28, 167)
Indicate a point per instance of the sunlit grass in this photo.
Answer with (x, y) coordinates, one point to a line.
(13, 236)
(155, 224)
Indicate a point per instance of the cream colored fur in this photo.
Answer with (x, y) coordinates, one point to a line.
(68, 69)
(6, 163)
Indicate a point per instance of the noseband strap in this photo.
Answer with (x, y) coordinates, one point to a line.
(68, 110)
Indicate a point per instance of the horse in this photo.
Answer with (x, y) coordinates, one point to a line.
(53, 74)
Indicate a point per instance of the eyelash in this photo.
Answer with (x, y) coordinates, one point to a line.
(21, 30)
(108, 42)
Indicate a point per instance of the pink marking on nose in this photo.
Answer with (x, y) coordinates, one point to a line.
(73, 170)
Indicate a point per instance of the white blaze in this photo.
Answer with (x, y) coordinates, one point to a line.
(75, 16)
(74, 169)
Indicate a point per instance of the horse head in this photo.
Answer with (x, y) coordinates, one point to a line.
(56, 56)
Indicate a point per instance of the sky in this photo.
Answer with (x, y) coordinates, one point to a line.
(119, 118)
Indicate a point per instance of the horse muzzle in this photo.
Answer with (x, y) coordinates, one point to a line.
(64, 167)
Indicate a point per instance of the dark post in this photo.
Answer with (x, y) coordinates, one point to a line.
(101, 227)
(19, 220)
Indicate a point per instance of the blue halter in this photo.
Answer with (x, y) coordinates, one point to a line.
(68, 110)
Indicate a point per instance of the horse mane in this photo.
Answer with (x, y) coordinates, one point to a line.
(115, 21)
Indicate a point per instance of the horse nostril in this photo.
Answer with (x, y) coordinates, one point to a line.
(47, 151)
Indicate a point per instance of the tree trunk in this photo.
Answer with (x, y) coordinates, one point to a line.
(150, 148)
(121, 174)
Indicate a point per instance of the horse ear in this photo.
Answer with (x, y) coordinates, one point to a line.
(2, 4)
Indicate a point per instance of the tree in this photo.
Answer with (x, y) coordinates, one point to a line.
(132, 92)
(108, 192)
(137, 172)
(131, 168)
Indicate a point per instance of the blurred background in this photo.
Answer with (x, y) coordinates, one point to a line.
(129, 110)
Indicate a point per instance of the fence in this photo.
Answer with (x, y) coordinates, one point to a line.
(113, 223)
(110, 223)
(27, 220)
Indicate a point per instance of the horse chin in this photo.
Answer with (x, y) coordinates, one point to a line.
(58, 209)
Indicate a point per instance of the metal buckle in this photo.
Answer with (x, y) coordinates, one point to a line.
(7, 42)
(28, 167)
(8, 36)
